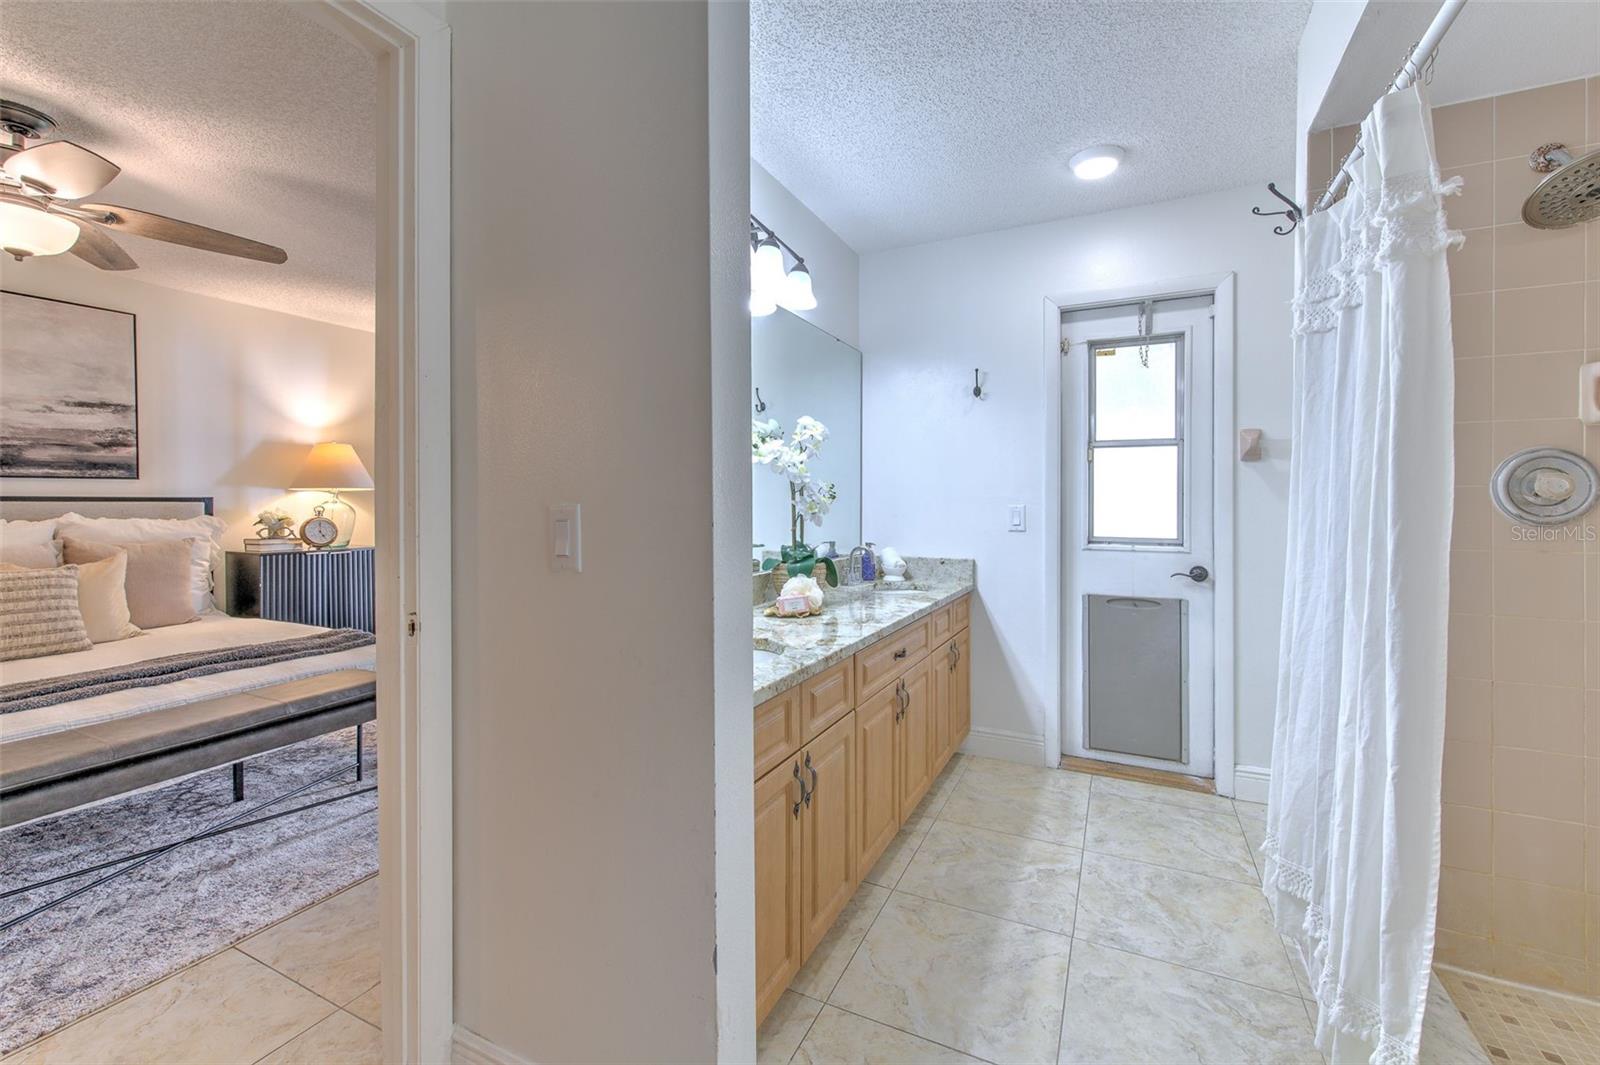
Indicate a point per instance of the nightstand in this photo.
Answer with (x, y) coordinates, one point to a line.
(333, 588)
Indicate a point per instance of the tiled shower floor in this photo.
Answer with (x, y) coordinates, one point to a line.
(1521, 1026)
(1027, 914)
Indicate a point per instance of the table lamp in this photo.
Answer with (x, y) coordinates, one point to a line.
(334, 468)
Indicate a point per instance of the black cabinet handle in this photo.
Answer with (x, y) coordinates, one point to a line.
(901, 653)
(804, 798)
(813, 770)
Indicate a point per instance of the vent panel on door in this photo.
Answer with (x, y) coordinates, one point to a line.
(1134, 676)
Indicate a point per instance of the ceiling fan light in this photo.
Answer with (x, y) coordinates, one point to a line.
(27, 230)
(1098, 162)
(797, 292)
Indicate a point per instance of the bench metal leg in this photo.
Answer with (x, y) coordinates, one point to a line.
(238, 782)
(358, 752)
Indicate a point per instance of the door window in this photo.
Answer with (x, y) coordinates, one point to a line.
(1135, 453)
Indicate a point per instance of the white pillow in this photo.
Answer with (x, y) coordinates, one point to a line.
(26, 533)
(205, 530)
(32, 556)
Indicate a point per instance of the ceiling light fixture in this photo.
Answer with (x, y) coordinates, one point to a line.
(27, 230)
(1092, 164)
(771, 286)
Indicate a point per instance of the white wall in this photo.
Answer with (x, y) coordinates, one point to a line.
(835, 267)
(941, 466)
(582, 372)
(230, 397)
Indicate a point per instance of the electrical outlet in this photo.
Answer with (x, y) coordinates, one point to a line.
(1017, 518)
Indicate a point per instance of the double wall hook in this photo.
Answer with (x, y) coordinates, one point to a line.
(1293, 214)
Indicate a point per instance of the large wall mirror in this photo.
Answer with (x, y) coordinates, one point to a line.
(797, 369)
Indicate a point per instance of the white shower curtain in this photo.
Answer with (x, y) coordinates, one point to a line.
(1353, 821)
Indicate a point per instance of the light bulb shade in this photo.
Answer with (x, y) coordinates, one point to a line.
(797, 293)
(332, 467)
(1092, 164)
(29, 230)
(766, 271)
(760, 307)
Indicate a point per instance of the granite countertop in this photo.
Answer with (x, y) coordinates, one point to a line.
(789, 650)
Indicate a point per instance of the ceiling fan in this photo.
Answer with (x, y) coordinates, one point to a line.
(42, 208)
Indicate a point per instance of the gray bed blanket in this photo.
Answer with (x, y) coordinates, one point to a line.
(30, 695)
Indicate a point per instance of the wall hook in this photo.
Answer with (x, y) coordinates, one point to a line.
(761, 404)
(977, 385)
(1293, 214)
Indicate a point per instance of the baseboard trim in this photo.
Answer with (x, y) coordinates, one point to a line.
(1251, 783)
(469, 1048)
(1011, 746)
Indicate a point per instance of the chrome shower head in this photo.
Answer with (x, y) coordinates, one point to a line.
(1571, 194)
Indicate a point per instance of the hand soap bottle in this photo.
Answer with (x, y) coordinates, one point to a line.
(869, 563)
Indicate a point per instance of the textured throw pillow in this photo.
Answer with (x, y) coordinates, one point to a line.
(15, 533)
(39, 613)
(102, 598)
(45, 555)
(158, 580)
(205, 530)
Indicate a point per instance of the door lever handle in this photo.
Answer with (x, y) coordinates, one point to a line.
(1198, 574)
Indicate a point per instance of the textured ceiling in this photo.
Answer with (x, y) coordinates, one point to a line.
(249, 117)
(1494, 46)
(898, 123)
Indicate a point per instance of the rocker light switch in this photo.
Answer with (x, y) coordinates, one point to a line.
(1017, 517)
(566, 537)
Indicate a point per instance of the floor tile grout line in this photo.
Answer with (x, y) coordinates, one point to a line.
(297, 1035)
(1120, 948)
(985, 913)
(234, 946)
(1169, 868)
(904, 1031)
(1072, 944)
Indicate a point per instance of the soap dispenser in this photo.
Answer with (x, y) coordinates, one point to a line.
(869, 563)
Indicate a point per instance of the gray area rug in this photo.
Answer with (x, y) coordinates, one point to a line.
(185, 905)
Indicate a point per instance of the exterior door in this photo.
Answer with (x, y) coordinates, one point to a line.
(878, 797)
(828, 839)
(778, 812)
(1137, 529)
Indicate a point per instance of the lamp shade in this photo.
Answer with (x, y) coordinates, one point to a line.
(27, 230)
(333, 467)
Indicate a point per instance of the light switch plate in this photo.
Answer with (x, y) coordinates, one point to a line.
(1017, 518)
(566, 537)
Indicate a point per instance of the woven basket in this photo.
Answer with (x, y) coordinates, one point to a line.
(780, 575)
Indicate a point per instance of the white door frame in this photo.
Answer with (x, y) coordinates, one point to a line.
(1221, 286)
(412, 457)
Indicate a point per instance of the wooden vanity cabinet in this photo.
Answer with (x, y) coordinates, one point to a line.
(916, 737)
(878, 791)
(778, 904)
(828, 842)
(961, 688)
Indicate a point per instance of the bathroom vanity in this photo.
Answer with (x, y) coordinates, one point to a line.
(856, 712)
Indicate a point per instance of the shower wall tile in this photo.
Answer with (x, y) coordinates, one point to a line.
(1472, 323)
(1473, 206)
(1464, 133)
(1526, 256)
(1465, 839)
(1540, 718)
(1537, 783)
(1548, 318)
(1472, 264)
(1535, 585)
(1524, 120)
(1522, 762)
(1539, 850)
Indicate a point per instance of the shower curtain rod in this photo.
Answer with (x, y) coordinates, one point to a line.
(1421, 55)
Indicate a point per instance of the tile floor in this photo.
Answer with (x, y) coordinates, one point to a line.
(304, 990)
(1027, 914)
(1518, 1025)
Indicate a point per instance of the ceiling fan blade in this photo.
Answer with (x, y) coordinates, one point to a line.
(171, 230)
(98, 249)
(62, 169)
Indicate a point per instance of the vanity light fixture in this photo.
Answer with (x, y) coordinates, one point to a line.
(1092, 164)
(771, 286)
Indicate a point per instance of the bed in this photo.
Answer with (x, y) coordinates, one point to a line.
(83, 750)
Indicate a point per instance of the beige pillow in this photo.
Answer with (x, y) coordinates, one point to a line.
(39, 613)
(45, 555)
(102, 598)
(157, 584)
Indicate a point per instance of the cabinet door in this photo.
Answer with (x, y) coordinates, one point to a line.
(961, 689)
(778, 832)
(877, 776)
(916, 735)
(941, 666)
(828, 837)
